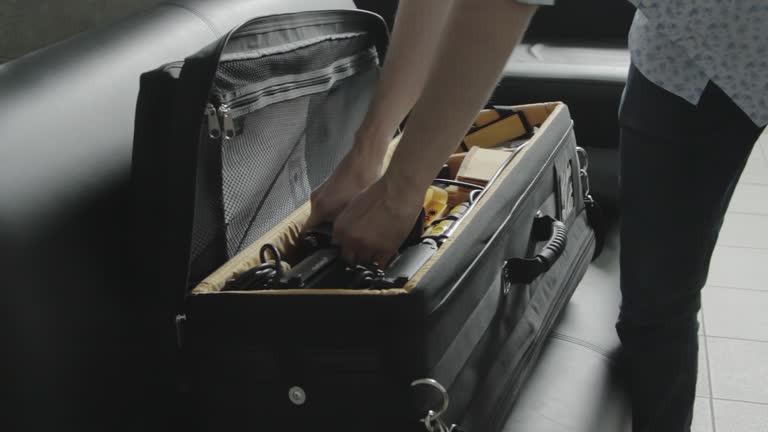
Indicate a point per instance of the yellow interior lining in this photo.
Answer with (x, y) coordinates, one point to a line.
(285, 235)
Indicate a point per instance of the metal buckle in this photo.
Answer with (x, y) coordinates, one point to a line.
(585, 187)
(432, 421)
(583, 158)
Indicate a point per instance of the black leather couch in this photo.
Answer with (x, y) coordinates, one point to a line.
(577, 52)
(81, 350)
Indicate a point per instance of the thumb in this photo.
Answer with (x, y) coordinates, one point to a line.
(315, 211)
(312, 220)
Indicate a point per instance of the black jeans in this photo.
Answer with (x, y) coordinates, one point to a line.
(680, 164)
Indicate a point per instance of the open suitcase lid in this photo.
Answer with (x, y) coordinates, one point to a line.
(271, 108)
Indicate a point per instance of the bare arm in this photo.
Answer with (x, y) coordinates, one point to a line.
(414, 42)
(415, 37)
(478, 38)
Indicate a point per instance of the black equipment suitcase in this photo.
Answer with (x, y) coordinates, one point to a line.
(229, 145)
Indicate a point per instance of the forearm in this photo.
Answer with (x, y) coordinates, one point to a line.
(411, 51)
(479, 38)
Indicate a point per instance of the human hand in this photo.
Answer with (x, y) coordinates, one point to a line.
(376, 222)
(360, 168)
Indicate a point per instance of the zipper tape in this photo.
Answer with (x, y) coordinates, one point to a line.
(338, 70)
(286, 48)
(282, 89)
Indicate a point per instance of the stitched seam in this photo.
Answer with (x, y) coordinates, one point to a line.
(196, 13)
(583, 344)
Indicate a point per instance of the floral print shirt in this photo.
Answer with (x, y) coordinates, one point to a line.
(682, 45)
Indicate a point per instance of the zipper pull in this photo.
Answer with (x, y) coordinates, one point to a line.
(227, 123)
(214, 127)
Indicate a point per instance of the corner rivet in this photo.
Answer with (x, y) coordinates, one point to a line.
(297, 395)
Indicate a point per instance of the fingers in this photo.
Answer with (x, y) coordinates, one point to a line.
(373, 225)
(321, 209)
(311, 221)
(349, 253)
(359, 247)
(382, 259)
(350, 244)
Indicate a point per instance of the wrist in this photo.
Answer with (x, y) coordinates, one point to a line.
(367, 155)
(371, 143)
(405, 182)
(373, 133)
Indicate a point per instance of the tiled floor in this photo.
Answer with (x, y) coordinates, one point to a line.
(732, 394)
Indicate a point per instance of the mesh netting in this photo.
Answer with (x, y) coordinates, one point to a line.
(241, 73)
(295, 114)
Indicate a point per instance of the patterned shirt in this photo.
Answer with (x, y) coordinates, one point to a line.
(682, 45)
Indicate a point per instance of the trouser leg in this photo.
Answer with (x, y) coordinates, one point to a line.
(678, 174)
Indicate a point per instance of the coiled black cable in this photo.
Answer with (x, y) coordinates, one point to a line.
(262, 277)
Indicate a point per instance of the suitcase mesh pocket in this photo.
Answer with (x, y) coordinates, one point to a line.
(292, 111)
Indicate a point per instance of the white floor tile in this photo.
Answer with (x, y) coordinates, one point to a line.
(702, 383)
(738, 369)
(739, 268)
(756, 171)
(736, 313)
(743, 230)
(740, 417)
(702, 416)
(750, 198)
(762, 144)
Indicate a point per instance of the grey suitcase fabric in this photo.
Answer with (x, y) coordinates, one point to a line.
(293, 90)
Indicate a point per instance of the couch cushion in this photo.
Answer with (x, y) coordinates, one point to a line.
(85, 352)
(78, 353)
(223, 15)
(582, 20)
(590, 79)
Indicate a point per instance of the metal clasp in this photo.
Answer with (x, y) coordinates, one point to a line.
(583, 159)
(432, 421)
(585, 187)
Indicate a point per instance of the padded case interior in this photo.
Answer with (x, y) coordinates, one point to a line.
(285, 234)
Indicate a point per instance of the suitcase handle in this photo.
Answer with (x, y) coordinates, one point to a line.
(526, 270)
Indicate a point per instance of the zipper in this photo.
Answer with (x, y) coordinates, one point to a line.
(241, 104)
(220, 122)
(219, 113)
(548, 320)
(275, 23)
(212, 120)
(227, 124)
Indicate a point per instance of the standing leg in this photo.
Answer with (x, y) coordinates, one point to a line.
(679, 166)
